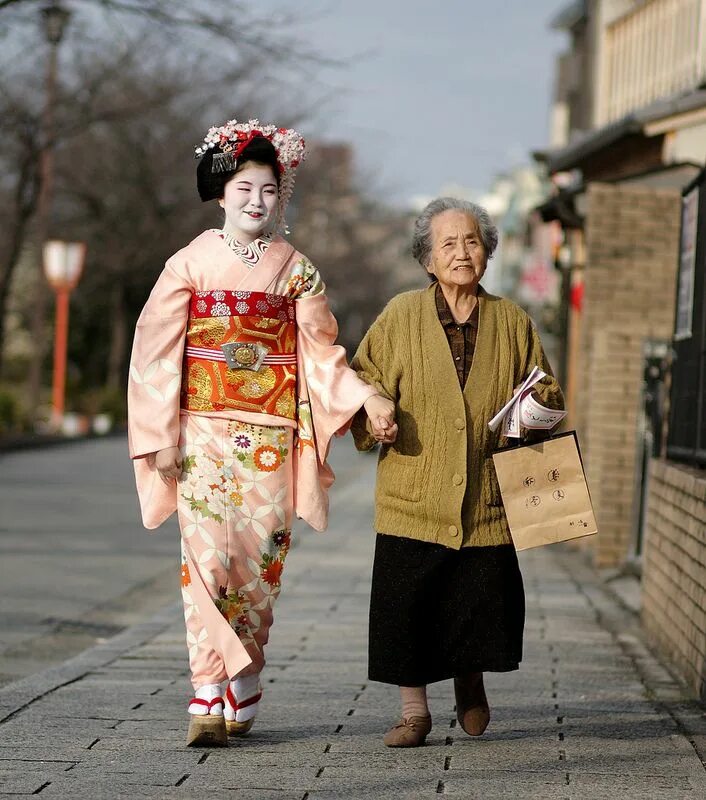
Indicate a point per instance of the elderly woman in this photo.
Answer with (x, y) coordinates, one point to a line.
(447, 597)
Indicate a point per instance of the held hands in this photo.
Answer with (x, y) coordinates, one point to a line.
(168, 463)
(380, 411)
(381, 416)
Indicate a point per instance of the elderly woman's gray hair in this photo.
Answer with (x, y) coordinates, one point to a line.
(421, 238)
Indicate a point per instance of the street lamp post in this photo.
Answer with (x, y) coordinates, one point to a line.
(63, 265)
(54, 18)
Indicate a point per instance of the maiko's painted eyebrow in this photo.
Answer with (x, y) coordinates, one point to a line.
(250, 183)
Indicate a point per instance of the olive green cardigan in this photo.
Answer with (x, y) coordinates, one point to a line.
(437, 482)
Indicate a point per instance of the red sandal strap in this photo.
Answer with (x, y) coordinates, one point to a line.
(235, 705)
(249, 702)
(208, 703)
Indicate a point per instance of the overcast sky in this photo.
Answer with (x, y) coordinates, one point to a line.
(436, 91)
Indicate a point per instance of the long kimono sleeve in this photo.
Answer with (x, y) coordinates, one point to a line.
(330, 393)
(334, 390)
(153, 389)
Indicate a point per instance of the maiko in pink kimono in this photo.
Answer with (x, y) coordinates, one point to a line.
(236, 388)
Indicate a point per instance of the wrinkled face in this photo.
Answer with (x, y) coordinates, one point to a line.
(458, 257)
(250, 202)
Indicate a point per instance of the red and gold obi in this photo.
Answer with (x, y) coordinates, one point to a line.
(240, 353)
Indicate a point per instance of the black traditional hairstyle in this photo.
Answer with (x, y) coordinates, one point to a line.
(211, 185)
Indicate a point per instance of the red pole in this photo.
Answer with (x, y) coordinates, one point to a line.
(60, 346)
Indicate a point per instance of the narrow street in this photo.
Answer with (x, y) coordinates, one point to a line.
(591, 714)
(76, 566)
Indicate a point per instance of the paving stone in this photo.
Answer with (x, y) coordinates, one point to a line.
(214, 775)
(651, 785)
(143, 773)
(345, 793)
(69, 789)
(27, 750)
(24, 781)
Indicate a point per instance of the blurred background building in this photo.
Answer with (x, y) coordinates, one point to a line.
(362, 246)
(626, 150)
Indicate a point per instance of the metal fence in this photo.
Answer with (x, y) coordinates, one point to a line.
(686, 438)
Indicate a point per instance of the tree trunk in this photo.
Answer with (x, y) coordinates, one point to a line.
(118, 340)
(24, 206)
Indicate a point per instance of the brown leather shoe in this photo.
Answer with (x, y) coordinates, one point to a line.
(409, 732)
(472, 710)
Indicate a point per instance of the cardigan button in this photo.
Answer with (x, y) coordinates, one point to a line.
(459, 423)
(457, 479)
(453, 530)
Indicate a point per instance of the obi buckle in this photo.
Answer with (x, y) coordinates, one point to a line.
(244, 355)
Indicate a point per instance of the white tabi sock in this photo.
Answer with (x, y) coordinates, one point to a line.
(243, 689)
(208, 692)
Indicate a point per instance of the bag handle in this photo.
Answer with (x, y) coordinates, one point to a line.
(522, 440)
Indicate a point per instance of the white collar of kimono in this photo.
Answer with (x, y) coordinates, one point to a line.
(251, 253)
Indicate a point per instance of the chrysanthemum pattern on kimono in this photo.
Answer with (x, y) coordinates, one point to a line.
(234, 505)
(303, 280)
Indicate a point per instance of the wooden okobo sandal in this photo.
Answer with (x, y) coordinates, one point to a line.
(207, 730)
(233, 727)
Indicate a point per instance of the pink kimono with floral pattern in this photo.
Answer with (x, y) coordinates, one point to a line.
(245, 473)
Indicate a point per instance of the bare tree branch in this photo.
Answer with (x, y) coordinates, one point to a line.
(234, 24)
(129, 111)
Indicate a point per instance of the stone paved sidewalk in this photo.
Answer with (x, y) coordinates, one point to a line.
(590, 715)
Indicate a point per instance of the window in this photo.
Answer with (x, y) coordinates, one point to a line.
(686, 440)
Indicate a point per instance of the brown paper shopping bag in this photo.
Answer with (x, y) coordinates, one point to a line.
(544, 492)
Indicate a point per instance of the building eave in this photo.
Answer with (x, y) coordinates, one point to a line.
(643, 121)
(590, 142)
(569, 16)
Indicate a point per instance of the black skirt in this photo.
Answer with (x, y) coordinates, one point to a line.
(438, 613)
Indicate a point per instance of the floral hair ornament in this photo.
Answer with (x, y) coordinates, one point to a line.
(229, 140)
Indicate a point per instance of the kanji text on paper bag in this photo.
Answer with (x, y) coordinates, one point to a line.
(544, 492)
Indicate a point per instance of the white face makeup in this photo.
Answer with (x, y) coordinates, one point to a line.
(250, 202)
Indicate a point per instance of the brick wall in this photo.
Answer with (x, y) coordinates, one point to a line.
(632, 236)
(674, 569)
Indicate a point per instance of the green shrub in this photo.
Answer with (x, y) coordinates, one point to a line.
(9, 412)
(102, 400)
(114, 402)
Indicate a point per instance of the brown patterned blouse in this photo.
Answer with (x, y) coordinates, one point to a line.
(461, 338)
